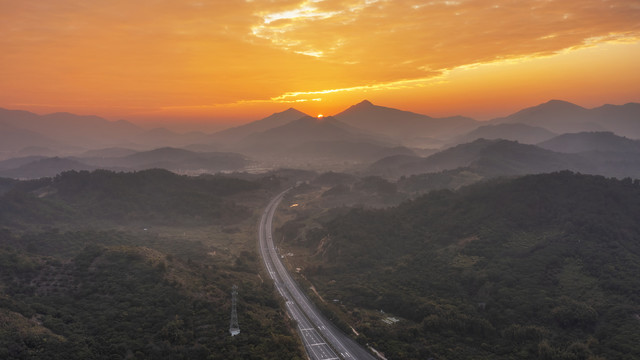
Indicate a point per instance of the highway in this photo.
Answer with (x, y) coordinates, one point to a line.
(321, 339)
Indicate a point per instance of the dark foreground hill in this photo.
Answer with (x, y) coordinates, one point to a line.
(107, 265)
(146, 197)
(539, 267)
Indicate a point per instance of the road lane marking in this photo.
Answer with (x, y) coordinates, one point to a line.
(310, 325)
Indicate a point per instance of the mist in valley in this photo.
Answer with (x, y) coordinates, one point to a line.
(416, 237)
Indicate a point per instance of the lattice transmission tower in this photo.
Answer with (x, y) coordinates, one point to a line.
(234, 328)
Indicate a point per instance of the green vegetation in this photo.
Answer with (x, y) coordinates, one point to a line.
(81, 278)
(6, 184)
(147, 197)
(538, 267)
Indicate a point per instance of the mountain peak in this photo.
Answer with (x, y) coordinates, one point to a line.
(559, 105)
(364, 103)
(558, 101)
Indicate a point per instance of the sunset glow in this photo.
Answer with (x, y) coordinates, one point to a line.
(222, 61)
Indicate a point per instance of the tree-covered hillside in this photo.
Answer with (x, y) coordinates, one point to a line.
(147, 197)
(103, 265)
(538, 267)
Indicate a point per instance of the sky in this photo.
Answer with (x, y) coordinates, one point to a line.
(220, 62)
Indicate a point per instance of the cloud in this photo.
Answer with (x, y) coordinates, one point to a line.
(218, 51)
(413, 35)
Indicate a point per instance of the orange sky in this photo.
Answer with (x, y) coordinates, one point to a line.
(221, 60)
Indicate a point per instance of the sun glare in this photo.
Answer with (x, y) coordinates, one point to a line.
(320, 116)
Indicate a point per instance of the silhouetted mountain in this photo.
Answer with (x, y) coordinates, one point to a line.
(177, 160)
(173, 159)
(237, 133)
(555, 115)
(41, 151)
(402, 125)
(564, 117)
(66, 131)
(71, 129)
(622, 119)
(487, 157)
(108, 153)
(302, 131)
(521, 133)
(46, 167)
(591, 141)
(164, 137)
(13, 139)
(610, 154)
(18, 161)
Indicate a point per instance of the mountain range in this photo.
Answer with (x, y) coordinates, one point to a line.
(65, 133)
(522, 133)
(564, 117)
(234, 134)
(173, 159)
(601, 153)
(403, 126)
(488, 157)
(591, 142)
(363, 133)
(20, 129)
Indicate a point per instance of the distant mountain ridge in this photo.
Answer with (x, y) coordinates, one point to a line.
(564, 117)
(522, 133)
(357, 133)
(45, 167)
(15, 138)
(180, 159)
(172, 159)
(237, 133)
(70, 129)
(591, 142)
(400, 124)
(304, 130)
(486, 157)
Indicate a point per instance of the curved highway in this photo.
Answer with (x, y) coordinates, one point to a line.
(322, 340)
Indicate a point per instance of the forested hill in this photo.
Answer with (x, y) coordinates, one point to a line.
(543, 266)
(150, 196)
(104, 265)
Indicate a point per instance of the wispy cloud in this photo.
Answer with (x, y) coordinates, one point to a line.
(151, 53)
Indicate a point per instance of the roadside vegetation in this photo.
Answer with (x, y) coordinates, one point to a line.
(542, 266)
(98, 265)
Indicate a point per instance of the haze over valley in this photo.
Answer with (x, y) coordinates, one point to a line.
(181, 207)
(320, 180)
(365, 139)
